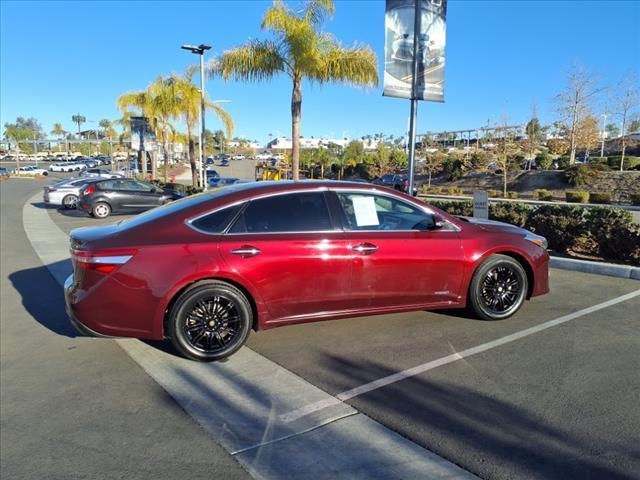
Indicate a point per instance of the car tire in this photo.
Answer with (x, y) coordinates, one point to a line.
(199, 321)
(498, 288)
(101, 210)
(70, 201)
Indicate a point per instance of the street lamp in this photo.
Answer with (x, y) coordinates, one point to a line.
(199, 50)
(604, 121)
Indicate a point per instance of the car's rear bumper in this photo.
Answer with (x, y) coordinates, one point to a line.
(81, 327)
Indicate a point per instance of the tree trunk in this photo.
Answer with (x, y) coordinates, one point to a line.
(624, 142)
(165, 150)
(504, 173)
(192, 152)
(429, 184)
(322, 170)
(296, 114)
(572, 155)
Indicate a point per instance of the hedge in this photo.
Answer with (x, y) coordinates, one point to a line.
(544, 195)
(599, 197)
(629, 162)
(602, 231)
(635, 199)
(564, 162)
(577, 196)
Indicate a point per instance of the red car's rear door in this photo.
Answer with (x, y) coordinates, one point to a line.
(398, 259)
(287, 248)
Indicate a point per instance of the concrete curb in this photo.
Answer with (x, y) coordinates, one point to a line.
(240, 403)
(598, 268)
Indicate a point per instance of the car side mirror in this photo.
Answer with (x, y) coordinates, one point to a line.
(438, 221)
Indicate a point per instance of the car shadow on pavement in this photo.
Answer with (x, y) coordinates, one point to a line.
(486, 435)
(43, 205)
(43, 298)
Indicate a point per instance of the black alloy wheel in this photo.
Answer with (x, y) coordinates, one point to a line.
(210, 321)
(498, 288)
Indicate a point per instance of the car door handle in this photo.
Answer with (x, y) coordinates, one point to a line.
(365, 248)
(246, 251)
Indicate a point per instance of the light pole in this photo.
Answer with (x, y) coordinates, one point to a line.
(604, 121)
(199, 50)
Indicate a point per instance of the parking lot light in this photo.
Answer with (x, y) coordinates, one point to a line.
(199, 50)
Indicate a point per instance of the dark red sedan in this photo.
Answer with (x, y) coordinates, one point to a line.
(205, 270)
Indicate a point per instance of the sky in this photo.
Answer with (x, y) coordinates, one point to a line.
(62, 58)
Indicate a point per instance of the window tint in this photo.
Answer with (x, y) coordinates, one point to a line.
(377, 212)
(111, 185)
(296, 212)
(216, 222)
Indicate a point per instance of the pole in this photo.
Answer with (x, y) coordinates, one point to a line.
(201, 149)
(35, 149)
(414, 100)
(604, 121)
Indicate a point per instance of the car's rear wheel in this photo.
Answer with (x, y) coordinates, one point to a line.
(101, 210)
(70, 201)
(210, 321)
(498, 288)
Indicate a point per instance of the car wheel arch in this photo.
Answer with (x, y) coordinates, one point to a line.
(518, 257)
(174, 295)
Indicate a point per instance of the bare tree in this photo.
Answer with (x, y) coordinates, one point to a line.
(625, 101)
(574, 102)
(507, 152)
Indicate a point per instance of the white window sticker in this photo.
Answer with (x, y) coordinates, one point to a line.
(365, 211)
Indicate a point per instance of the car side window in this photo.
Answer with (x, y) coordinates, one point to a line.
(216, 222)
(294, 212)
(379, 212)
(111, 185)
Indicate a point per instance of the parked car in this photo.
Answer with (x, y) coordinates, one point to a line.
(397, 182)
(30, 170)
(224, 163)
(64, 193)
(219, 182)
(67, 167)
(4, 172)
(90, 162)
(238, 157)
(101, 198)
(100, 173)
(207, 269)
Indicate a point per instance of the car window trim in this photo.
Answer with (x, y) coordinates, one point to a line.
(336, 226)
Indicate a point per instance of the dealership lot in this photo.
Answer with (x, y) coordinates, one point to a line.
(559, 403)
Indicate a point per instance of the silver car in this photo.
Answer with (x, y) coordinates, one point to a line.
(65, 193)
(100, 173)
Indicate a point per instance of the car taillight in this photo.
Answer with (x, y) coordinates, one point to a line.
(105, 261)
(49, 189)
(90, 189)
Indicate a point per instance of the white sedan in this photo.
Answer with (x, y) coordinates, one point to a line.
(67, 167)
(100, 173)
(30, 170)
(64, 193)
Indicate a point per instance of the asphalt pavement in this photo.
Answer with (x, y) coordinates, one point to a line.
(557, 403)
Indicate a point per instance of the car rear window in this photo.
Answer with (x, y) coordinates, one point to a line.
(296, 212)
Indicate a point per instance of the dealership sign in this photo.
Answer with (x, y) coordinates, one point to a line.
(400, 22)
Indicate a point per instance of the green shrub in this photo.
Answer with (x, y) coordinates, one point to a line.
(561, 225)
(564, 162)
(635, 199)
(544, 195)
(512, 194)
(494, 193)
(191, 190)
(630, 162)
(600, 160)
(431, 190)
(618, 238)
(513, 213)
(544, 161)
(577, 196)
(452, 190)
(599, 197)
(463, 208)
(579, 175)
(453, 168)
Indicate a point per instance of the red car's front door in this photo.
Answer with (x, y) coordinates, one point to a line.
(399, 259)
(286, 247)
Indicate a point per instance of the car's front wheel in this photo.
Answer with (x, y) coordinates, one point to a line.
(498, 288)
(101, 210)
(210, 321)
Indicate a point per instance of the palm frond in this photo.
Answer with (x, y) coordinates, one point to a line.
(318, 10)
(257, 60)
(222, 115)
(354, 66)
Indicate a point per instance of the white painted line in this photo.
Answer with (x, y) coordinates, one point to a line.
(411, 372)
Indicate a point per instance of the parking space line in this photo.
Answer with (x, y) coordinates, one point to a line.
(454, 357)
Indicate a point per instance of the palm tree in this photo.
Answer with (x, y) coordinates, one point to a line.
(59, 132)
(79, 120)
(190, 111)
(301, 51)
